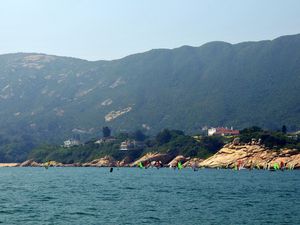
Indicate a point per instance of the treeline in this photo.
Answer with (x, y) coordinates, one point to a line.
(15, 148)
(173, 142)
(271, 139)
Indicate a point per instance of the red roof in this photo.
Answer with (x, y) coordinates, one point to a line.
(222, 130)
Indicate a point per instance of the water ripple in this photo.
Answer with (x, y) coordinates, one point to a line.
(133, 196)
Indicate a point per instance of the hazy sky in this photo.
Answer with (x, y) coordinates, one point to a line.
(95, 29)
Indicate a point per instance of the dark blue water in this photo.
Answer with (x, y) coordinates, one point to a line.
(135, 196)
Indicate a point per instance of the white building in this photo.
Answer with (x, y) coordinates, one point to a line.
(131, 145)
(211, 131)
(105, 140)
(70, 143)
(221, 131)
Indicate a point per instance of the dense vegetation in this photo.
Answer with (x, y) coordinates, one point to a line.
(177, 143)
(173, 142)
(271, 139)
(47, 99)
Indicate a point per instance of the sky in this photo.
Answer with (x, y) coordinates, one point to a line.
(112, 29)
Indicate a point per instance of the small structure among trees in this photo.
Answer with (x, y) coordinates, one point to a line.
(71, 143)
(131, 145)
(106, 133)
(221, 131)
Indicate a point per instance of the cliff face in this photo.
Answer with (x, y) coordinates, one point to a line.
(252, 156)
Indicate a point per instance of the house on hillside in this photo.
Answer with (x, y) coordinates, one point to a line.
(131, 145)
(221, 131)
(109, 139)
(294, 135)
(71, 142)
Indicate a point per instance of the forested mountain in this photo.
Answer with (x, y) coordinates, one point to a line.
(45, 98)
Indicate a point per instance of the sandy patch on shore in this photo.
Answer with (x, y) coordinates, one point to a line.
(8, 164)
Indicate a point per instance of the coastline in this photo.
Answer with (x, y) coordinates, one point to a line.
(231, 156)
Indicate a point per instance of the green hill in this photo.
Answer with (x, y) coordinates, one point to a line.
(46, 99)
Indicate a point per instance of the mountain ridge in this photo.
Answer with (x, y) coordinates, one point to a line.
(46, 98)
(170, 49)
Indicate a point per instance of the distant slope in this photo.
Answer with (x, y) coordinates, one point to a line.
(48, 98)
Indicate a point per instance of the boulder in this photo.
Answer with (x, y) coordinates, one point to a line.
(236, 141)
(35, 164)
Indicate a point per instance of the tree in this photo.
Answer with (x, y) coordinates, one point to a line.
(122, 136)
(251, 130)
(284, 129)
(163, 137)
(138, 135)
(106, 132)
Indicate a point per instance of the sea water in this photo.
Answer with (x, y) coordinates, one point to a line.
(148, 196)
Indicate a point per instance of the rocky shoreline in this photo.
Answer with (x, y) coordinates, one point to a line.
(252, 156)
(246, 155)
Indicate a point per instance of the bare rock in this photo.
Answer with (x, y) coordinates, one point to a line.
(124, 162)
(106, 161)
(253, 155)
(194, 162)
(236, 141)
(150, 157)
(174, 162)
(27, 163)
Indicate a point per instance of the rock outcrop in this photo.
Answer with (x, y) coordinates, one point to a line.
(29, 163)
(179, 158)
(253, 155)
(106, 161)
(193, 162)
(32, 163)
(51, 164)
(124, 162)
(151, 157)
(234, 154)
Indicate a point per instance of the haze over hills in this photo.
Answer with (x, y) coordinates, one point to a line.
(45, 98)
